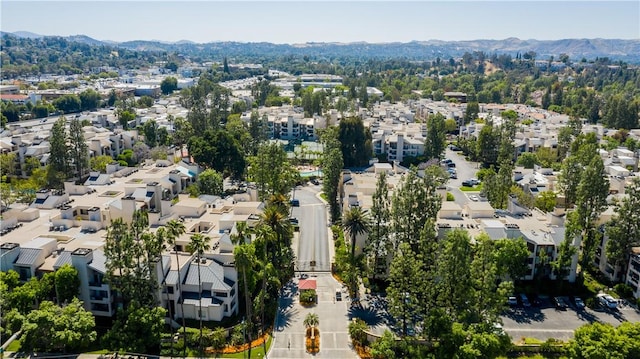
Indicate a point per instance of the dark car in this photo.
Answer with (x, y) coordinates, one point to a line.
(295, 203)
(293, 220)
(560, 303)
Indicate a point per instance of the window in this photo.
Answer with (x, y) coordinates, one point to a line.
(170, 289)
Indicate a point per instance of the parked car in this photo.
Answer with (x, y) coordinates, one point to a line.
(474, 198)
(578, 302)
(315, 182)
(338, 295)
(607, 301)
(304, 276)
(513, 301)
(293, 220)
(560, 303)
(524, 300)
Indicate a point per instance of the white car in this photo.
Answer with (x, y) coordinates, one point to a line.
(607, 301)
(474, 198)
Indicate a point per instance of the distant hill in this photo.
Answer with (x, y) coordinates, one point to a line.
(616, 49)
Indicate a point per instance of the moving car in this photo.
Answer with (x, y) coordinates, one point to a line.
(295, 203)
(338, 295)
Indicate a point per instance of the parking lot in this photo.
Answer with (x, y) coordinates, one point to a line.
(544, 321)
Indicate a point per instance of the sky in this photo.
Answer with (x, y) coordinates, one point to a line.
(324, 21)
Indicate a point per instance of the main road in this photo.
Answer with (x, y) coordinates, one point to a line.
(313, 247)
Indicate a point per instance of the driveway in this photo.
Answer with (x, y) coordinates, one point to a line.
(289, 332)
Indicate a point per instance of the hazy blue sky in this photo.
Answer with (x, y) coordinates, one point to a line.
(340, 21)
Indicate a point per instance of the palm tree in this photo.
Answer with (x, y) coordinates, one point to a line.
(199, 244)
(245, 255)
(161, 239)
(354, 223)
(174, 230)
(311, 321)
(265, 235)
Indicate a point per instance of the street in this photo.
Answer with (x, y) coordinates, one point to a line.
(314, 240)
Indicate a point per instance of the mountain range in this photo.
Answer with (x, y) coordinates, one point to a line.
(616, 49)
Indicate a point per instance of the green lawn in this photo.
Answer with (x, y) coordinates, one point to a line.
(14, 346)
(477, 188)
(323, 196)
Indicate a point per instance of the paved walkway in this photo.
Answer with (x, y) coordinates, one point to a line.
(289, 332)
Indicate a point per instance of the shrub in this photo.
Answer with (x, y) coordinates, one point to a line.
(450, 197)
(357, 331)
(308, 296)
(623, 290)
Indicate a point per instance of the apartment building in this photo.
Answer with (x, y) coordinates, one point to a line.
(69, 227)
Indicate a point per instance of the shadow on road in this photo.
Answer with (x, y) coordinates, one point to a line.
(526, 316)
(587, 316)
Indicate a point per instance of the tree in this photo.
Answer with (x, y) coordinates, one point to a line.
(210, 182)
(59, 154)
(58, 329)
(311, 320)
(67, 283)
(624, 229)
(527, 160)
(453, 268)
(471, 113)
(150, 130)
(199, 244)
(68, 103)
(546, 201)
(137, 329)
(332, 163)
(271, 171)
(511, 258)
(168, 85)
(436, 136)
(218, 150)
(380, 219)
(245, 256)
(592, 193)
(355, 222)
(89, 99)
(7, 164)
(602, 340)
(99, 163)
(414, 201)
(145, 101)
(405, 286)
(561, 266)
(174, 229)
(78, 149)
(355, 142)
(125, 117)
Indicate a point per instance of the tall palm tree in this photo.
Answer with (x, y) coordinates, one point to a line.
(161, 239)
(174, 230)
(245, 257)
(264, 236)
(354, 223)
(199, 244)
